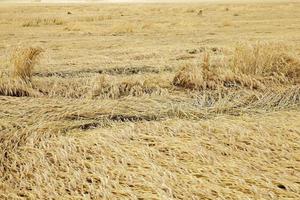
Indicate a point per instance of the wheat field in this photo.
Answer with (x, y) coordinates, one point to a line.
(150, 101)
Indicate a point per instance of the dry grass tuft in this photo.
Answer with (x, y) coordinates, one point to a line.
(42, 21)
(189, 76)
(73, 27)
(95, 18)
(207, 76)
(23, 61)
(266, 59)
(17, 88)
(108, 87)
(121, 29)
(200, 12)
(251, 66)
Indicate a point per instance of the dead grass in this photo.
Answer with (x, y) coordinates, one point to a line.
(252, 66)
(73, 27)
(23, 61)
(42, 21)
(126, 28)
(246, 100)
(105, 115)
(17, 88)
(266, 59)
(175, 158)
(106, 86)
(206, 76)
(96, 18)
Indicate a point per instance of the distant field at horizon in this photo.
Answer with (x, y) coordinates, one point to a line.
(144, 1)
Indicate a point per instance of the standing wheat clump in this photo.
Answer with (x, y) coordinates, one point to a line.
(23, 61)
